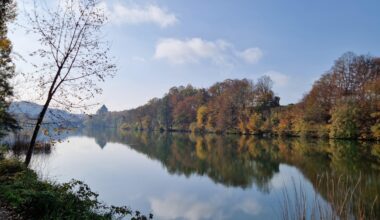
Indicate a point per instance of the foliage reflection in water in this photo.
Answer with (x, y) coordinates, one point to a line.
(188, 176)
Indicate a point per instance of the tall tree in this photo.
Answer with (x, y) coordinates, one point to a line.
(7, 68)
(73, 55)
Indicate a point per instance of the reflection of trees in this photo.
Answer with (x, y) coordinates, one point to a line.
(223, 159)
(344, 163)
(214, 156)
(101, 135)
(241, 161)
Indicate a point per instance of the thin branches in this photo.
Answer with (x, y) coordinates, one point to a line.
(73, 57)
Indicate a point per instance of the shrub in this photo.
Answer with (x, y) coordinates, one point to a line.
(344, 121)
(375, 129)
(323, 131)
(254, 124)
(194, 128)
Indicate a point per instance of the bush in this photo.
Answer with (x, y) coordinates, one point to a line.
(323, 131)
(254, 124)
(344, 121)
(9, 168)
(303, 128)
(194, 128)
(375, 129)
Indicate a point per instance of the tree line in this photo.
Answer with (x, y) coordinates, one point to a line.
(221, 108)
(343, 103)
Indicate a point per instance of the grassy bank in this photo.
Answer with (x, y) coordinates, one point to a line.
(22, 191)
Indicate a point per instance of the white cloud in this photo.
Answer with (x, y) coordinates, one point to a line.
(278, 78)
(194, 50)
(250, 206)
(119, 13)
(251, 55)
(188, 51)
(175, 206)
(192, 207)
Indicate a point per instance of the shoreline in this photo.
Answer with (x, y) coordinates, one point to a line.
(263, 135)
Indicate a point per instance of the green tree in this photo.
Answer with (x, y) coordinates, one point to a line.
(7, 68)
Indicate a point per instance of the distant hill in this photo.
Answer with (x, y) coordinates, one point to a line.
(29, 111)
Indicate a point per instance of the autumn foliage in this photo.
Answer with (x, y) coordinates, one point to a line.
(343, 103)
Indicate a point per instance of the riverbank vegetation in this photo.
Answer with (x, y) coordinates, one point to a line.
(343, 193)
(343, 103)
(32, 198)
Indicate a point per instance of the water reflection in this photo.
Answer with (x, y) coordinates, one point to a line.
(248, 174)
(226, 158)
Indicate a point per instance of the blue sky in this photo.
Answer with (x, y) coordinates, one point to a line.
(160, 44)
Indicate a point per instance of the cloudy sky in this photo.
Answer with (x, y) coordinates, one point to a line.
(166, 43)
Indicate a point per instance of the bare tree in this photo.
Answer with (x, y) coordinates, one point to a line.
(73, 56)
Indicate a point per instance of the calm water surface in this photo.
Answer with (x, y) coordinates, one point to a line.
(184, 176)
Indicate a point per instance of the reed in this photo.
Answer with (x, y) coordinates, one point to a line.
(340, 197)
(21, 142)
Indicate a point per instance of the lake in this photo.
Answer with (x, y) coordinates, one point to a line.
(187, 176)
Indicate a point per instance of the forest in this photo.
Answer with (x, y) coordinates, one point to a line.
(344, 103)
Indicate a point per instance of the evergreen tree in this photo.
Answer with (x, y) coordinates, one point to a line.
(7, 69)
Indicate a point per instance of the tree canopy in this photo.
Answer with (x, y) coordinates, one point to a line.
(343, 103)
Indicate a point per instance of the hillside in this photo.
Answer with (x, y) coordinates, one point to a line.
(28, 111)
(343, 103)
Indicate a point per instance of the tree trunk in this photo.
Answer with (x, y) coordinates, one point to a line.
(36, 130)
